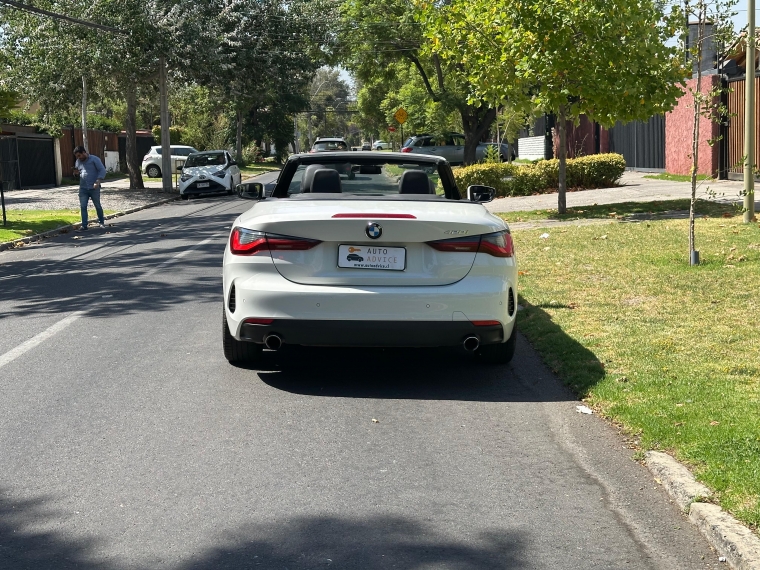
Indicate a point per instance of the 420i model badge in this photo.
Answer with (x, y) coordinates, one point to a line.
(373, 230)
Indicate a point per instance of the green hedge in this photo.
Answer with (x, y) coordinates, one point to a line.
(594, 171)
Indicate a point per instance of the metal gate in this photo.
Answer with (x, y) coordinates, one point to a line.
(36, 158)
(642, 143)
(9, 163)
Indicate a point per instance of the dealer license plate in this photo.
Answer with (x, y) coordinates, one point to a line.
(203, 184)
(372, 257)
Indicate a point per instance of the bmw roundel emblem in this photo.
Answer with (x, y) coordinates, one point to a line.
(374, 230)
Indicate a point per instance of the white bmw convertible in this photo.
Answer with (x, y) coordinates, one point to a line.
(396, 256)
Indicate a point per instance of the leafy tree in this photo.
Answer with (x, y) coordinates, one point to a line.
(376, 34)
(607, 59)
(8, 100)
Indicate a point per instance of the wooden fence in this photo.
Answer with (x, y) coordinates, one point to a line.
(734, 133)
(97, 141)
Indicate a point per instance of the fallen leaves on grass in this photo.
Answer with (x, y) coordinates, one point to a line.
(714, 423)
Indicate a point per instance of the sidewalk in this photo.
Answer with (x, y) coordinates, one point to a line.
(114, 195)
(634, 188)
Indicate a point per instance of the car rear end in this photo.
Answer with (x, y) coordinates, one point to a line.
(344, 273)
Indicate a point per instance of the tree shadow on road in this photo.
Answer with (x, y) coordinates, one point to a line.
(298, 542)
(112, 275)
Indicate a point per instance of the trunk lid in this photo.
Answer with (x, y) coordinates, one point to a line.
(404, 224)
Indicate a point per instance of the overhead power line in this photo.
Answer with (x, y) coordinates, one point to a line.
(35, 10)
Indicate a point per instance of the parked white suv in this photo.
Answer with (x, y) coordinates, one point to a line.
(151, 164)
(381, 145)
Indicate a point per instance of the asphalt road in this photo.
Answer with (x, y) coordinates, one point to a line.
(128, 442)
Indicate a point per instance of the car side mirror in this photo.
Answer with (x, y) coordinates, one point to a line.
(250, 191)
(482, 194)
(232, 163)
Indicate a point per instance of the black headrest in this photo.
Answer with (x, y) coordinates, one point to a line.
(308, 176)
(414, 182)
(326, 181)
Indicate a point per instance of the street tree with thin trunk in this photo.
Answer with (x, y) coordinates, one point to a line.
(607, 59)
(712, 20)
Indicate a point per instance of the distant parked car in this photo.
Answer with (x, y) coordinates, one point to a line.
(207, 172)
(366, 145)
(449, 146)
(380, 145)
(151, 164)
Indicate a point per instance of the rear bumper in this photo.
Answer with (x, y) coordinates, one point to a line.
(369, 316)
(372, 333)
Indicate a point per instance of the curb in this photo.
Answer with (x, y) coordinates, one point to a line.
(64, 229)
(733, 541)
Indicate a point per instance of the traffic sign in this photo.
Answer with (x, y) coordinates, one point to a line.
(392, 129)
(401, 116)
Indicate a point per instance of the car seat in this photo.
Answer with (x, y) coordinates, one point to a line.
(415, 182)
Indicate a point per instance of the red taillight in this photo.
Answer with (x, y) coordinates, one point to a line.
(248, 242)
(498, 244)
(463, 244)
(280, 243)
(255, 321)
(406, 149)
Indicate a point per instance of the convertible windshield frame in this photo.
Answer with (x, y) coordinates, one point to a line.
(451, 192)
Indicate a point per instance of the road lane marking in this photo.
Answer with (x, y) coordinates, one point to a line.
(180, 255)
(14, 353)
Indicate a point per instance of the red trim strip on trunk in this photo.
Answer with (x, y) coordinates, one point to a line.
(378, 216)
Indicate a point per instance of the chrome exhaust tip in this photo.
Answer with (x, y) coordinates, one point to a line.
(471, 343)
(273, 341)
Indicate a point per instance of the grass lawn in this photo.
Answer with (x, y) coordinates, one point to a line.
(668, 351)
(259, 168)
(677, 177)
(23, 223)
(621, 210)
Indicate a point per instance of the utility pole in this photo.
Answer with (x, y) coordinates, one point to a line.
(749, 118)
(84, 114)
(166, 154)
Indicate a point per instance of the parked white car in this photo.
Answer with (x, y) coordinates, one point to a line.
(209, 172)
(151, 164)
(396, 256)
(380, 145)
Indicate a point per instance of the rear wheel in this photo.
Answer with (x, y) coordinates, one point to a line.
(501, 353)
(184, 196)
(153, 171)
(236, 350)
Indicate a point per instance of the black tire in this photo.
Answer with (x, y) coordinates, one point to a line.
(153, 171)
(184, 196)
(236, 351)
(501, 353)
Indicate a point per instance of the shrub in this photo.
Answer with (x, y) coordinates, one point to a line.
(494, 175)
(594, 171)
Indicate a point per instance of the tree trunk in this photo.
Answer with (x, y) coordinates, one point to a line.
(166, 155)
(239, 137)
(562, 190)
(695, 130)
(476, 121)
(84, 114)
(134, 166)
